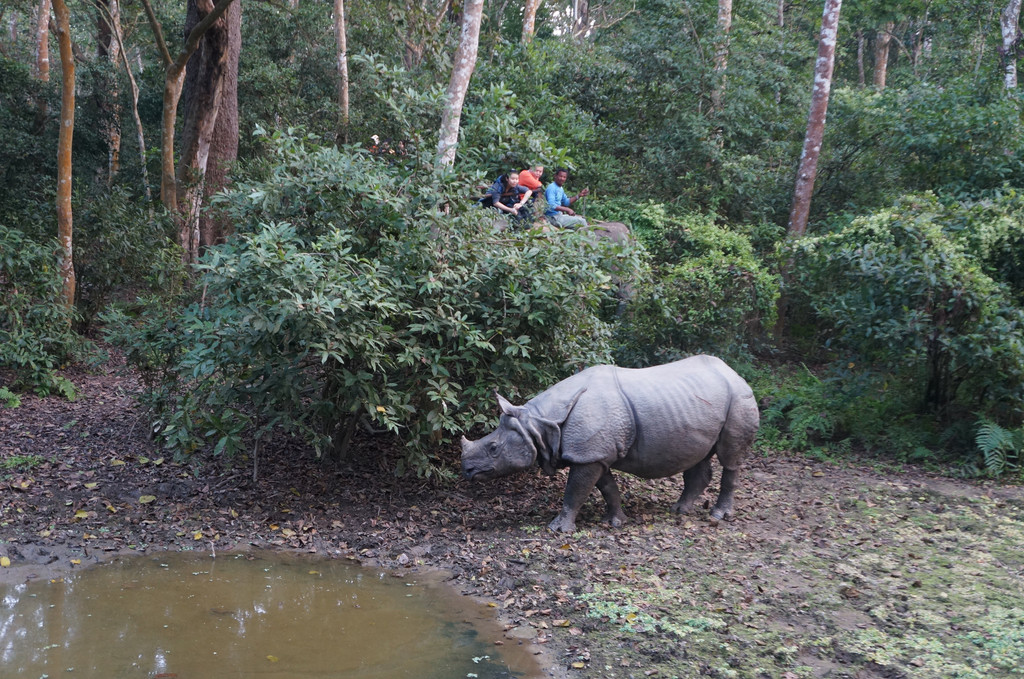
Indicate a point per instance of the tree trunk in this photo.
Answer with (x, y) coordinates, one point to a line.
(341, 39)
(108, 21)
(1009, 19)
(462, 71)
(139, 130)
(224, 145)
(815, 120)
(202, 92)
(580, 18)
(529, 19)
(721, 53)
(65, 224)
(42, 60)
(883, 38)
(861, 81)
(42, 48)
(174, 78)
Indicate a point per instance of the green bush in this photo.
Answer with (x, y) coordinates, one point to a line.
(711, 293)
(121, 247)
(907, 302)
(35, 326)
(349, 292)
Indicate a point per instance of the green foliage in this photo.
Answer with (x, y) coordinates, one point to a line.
(9, 399)
(1002, 450)
(121, 246)
(906, 301)
(956, 140)
(20, 463)
(348, 292)
(35, 326)
(711, 293)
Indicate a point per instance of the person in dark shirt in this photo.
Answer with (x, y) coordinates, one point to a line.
(509, 196)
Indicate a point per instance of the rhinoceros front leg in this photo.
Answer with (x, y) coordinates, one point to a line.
(610, 490)
(695, 480)
(582, 479)
(723, 508)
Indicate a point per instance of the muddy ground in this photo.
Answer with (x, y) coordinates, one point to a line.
(828, 570)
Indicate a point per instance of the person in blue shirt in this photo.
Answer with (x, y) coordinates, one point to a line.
(560, 212)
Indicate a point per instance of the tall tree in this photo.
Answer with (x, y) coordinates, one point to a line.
(808, 169)
(1010, 25)
(202, 94)
(174, 79)
(42, 57)
(529, 19)
(224, 144)
(42, 41)
(108, 22)
(65, 223)
(883, 39)
(341, 40)
(462, 71)
(721, 52)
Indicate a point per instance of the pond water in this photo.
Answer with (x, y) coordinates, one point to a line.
(269, 616)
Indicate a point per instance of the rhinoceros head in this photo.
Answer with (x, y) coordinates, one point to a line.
(523, 438)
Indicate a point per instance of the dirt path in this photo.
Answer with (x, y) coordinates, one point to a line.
(828, 571)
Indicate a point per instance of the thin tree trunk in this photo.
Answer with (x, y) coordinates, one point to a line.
(203, 90)
(341, 39)
(42, 60)
(42, 48)
(462, 71)
(1009, 19)
(529, 19)
(721, 53)
(108, 21)
(139, 129)
(815, 120)
(65, 224)
(781, 14)
(224, 145)
(861, 81)
(883, 38)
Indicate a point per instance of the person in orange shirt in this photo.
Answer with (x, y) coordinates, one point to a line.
(530, 178)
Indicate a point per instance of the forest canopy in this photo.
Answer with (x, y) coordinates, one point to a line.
(271, 209)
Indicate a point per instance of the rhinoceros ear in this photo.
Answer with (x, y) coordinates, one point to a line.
(550, 434)
(507, 408)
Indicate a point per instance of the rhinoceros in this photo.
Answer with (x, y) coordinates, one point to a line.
(650, 422)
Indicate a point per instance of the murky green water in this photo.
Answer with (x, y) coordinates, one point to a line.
(195, 617)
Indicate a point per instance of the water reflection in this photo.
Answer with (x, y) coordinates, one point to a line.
(240, 616)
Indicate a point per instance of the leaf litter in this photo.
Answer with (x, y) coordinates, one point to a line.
(829, 570)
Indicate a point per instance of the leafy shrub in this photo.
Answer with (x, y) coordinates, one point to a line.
(35, 325)
(121, 247)
(348, 292)
(711, 293)
(908, 302)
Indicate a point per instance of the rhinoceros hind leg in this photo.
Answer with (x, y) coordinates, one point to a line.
(723, 508)
(695, 480)
(582, 478)
(610, 490)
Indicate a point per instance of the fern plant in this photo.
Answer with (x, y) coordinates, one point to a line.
(1001, 449)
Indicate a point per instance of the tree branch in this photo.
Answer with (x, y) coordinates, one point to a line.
(158, 33)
